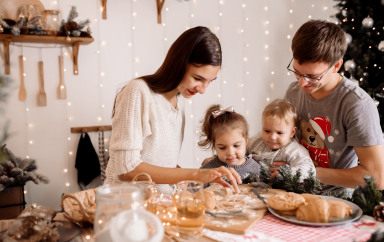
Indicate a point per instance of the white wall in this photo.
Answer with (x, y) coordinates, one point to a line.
(251, 74)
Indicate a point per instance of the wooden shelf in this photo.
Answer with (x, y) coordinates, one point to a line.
(75, 42)
(86, 129)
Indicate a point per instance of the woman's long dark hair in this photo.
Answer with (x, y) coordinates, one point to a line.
(197, 46)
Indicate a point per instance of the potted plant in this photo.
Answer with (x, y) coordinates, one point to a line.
(15, 172)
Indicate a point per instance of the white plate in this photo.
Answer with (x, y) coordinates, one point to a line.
(356, 214)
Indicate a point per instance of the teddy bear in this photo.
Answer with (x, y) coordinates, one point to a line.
(313, 141)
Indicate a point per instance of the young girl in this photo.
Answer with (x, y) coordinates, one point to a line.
(277, 146)
(226, 132)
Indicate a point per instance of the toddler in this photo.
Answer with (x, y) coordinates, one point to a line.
(277, 143)
(226, 132)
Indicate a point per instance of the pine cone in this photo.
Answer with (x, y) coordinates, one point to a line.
(378, 212)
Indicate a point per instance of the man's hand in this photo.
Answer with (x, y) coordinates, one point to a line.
(276, 166)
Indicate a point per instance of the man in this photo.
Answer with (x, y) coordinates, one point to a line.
(339, 121)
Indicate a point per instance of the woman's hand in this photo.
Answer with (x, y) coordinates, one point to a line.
(221, 175)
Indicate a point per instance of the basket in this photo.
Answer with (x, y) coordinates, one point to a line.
(142, 178)
(10, 9)
(144, 182)
(79, 207)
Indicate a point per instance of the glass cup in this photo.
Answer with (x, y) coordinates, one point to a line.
(190, 209)
(110, 200)
(161, 204)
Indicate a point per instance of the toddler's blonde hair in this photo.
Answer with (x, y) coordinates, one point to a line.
(282, 109)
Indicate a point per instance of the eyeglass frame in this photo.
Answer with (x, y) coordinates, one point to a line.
(306, 78)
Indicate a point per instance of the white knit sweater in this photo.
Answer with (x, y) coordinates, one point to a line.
(145, 128)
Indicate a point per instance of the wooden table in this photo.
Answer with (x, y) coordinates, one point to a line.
(271, 228)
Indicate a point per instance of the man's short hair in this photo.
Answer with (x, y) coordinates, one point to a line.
(319, 41)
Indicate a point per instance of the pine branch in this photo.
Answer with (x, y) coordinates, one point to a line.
(290, 181)
(16, 171)
(72, 14)
(367, 197)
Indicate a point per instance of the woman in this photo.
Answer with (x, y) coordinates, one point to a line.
(148, 117)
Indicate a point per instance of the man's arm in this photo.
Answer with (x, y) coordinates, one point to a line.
(371, 162)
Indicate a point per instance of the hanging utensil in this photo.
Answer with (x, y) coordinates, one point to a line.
(41, 95)
(22, 90)
(61, 90)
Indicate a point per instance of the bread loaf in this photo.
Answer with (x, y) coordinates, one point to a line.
(321, 210)
(315, 209)
(339, 210)
(285, 201)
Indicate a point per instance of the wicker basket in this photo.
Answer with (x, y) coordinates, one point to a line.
(10, 9)
(79, 207)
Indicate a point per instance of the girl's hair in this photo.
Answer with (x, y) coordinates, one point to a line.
(212, 125)
(196, 46)
(319, 41)
(282, 109)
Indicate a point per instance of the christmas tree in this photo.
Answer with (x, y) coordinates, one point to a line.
(363, 23)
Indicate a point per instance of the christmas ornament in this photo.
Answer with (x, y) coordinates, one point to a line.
(381, 45)
(348, 38)
(376, 102)
(349, 65)
(367, 22)
(378, 212)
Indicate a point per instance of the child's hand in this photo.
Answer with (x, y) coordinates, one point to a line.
(217, 175)
(276, 166)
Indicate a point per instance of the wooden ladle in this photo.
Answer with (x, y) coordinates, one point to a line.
(61, 89)
(22, 90)
(41, 95)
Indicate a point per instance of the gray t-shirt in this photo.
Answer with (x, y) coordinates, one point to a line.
(248, 168)
(331, 127)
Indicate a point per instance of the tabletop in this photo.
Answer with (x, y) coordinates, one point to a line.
(267, 228)
(272, 229)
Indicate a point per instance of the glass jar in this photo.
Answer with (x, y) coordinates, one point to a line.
(51, 21)
(110, 200)
(136, 225)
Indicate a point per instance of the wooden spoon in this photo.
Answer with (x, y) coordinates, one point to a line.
(41, 95)
(61, 90)
(22, 90)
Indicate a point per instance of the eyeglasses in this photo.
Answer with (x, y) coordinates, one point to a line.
(311, 79)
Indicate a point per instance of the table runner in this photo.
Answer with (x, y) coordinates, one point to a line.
(273, 229)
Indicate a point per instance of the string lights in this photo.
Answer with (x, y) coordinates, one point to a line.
(245, 67)
(244, 46)
(195, 124)
(266, 26)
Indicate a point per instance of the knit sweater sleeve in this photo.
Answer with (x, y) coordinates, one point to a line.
(298, 158)
(130, 125)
